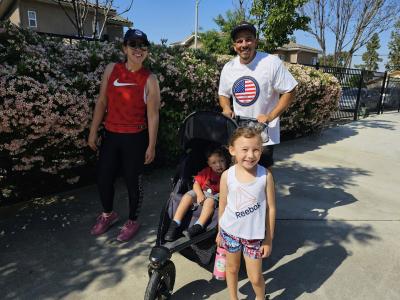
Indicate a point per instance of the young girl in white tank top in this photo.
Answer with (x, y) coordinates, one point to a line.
(246, 211)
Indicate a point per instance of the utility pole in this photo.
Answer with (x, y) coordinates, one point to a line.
(196, 23)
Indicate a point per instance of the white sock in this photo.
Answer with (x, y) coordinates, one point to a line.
(197, 222)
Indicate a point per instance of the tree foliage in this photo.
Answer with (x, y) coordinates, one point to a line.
(216, 42)
(276, 20)
(220, 42)
(316, 10)
(352, 22)
(394, 49)
(337, 60)
(371, 56)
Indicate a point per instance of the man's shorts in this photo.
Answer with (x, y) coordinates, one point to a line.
(232, 244)
(267, 159)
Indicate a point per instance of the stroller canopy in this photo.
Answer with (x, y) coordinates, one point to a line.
(208, 126)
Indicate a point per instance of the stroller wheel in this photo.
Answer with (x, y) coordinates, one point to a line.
(161, 282)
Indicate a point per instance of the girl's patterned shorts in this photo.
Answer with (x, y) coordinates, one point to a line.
(232, 244)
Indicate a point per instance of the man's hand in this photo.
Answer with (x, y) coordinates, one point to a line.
(150, 154)
(225, 104)
(263, 118)
(228, 113)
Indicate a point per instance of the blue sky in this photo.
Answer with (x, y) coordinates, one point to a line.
(174, 20)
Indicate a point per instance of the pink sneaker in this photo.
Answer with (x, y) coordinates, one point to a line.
(128, 231)
(103, 223)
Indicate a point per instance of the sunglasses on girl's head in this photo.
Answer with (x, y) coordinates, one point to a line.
(257, 126)
(138, 45)
(253, 124)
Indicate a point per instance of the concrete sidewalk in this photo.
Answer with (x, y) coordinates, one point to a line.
(336, 235)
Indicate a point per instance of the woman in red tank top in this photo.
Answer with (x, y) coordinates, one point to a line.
(128, 103)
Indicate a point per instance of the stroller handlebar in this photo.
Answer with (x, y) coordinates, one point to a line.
(243, 119)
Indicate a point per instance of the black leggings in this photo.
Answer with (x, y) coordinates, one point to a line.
(123, 152)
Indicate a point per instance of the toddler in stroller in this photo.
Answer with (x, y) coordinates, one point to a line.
(204, 193)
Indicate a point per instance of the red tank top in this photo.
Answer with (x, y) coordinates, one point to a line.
(126, 107)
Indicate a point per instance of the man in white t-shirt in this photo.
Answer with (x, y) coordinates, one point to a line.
(258, 83)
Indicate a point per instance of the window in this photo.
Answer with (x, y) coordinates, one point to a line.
(32, 22)
(314, 61)
(95, 26)
(97, 29)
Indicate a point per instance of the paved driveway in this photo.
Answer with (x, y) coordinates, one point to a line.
(336, 238)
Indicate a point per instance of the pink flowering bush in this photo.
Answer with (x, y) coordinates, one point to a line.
(188, 82)
(47, 94)
(48, 90)
(35, 123)
(317, 98)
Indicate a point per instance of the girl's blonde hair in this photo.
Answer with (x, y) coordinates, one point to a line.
(247, 132)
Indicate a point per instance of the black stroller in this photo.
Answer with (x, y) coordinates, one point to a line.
(199, 131)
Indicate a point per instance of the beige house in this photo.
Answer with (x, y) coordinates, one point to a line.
(188, 42)
(46, 16)
(298, 54)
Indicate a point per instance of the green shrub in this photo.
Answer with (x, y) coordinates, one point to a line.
(48, 90)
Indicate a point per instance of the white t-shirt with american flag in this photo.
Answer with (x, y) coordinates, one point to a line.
(255, 87)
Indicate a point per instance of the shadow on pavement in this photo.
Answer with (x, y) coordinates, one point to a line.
(199, 289)
(47, 251)
(323, 253)
(305, 197)
(372, 123)
(309, 193)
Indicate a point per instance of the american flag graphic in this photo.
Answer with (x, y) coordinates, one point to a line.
(245, 91)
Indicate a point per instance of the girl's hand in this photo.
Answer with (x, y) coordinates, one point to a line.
(265, 249)
(218, 240)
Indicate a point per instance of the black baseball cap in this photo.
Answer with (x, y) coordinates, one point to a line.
(243, 26)
(136, 34)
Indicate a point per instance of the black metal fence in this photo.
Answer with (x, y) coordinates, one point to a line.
(364, 92)
(391, 99)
